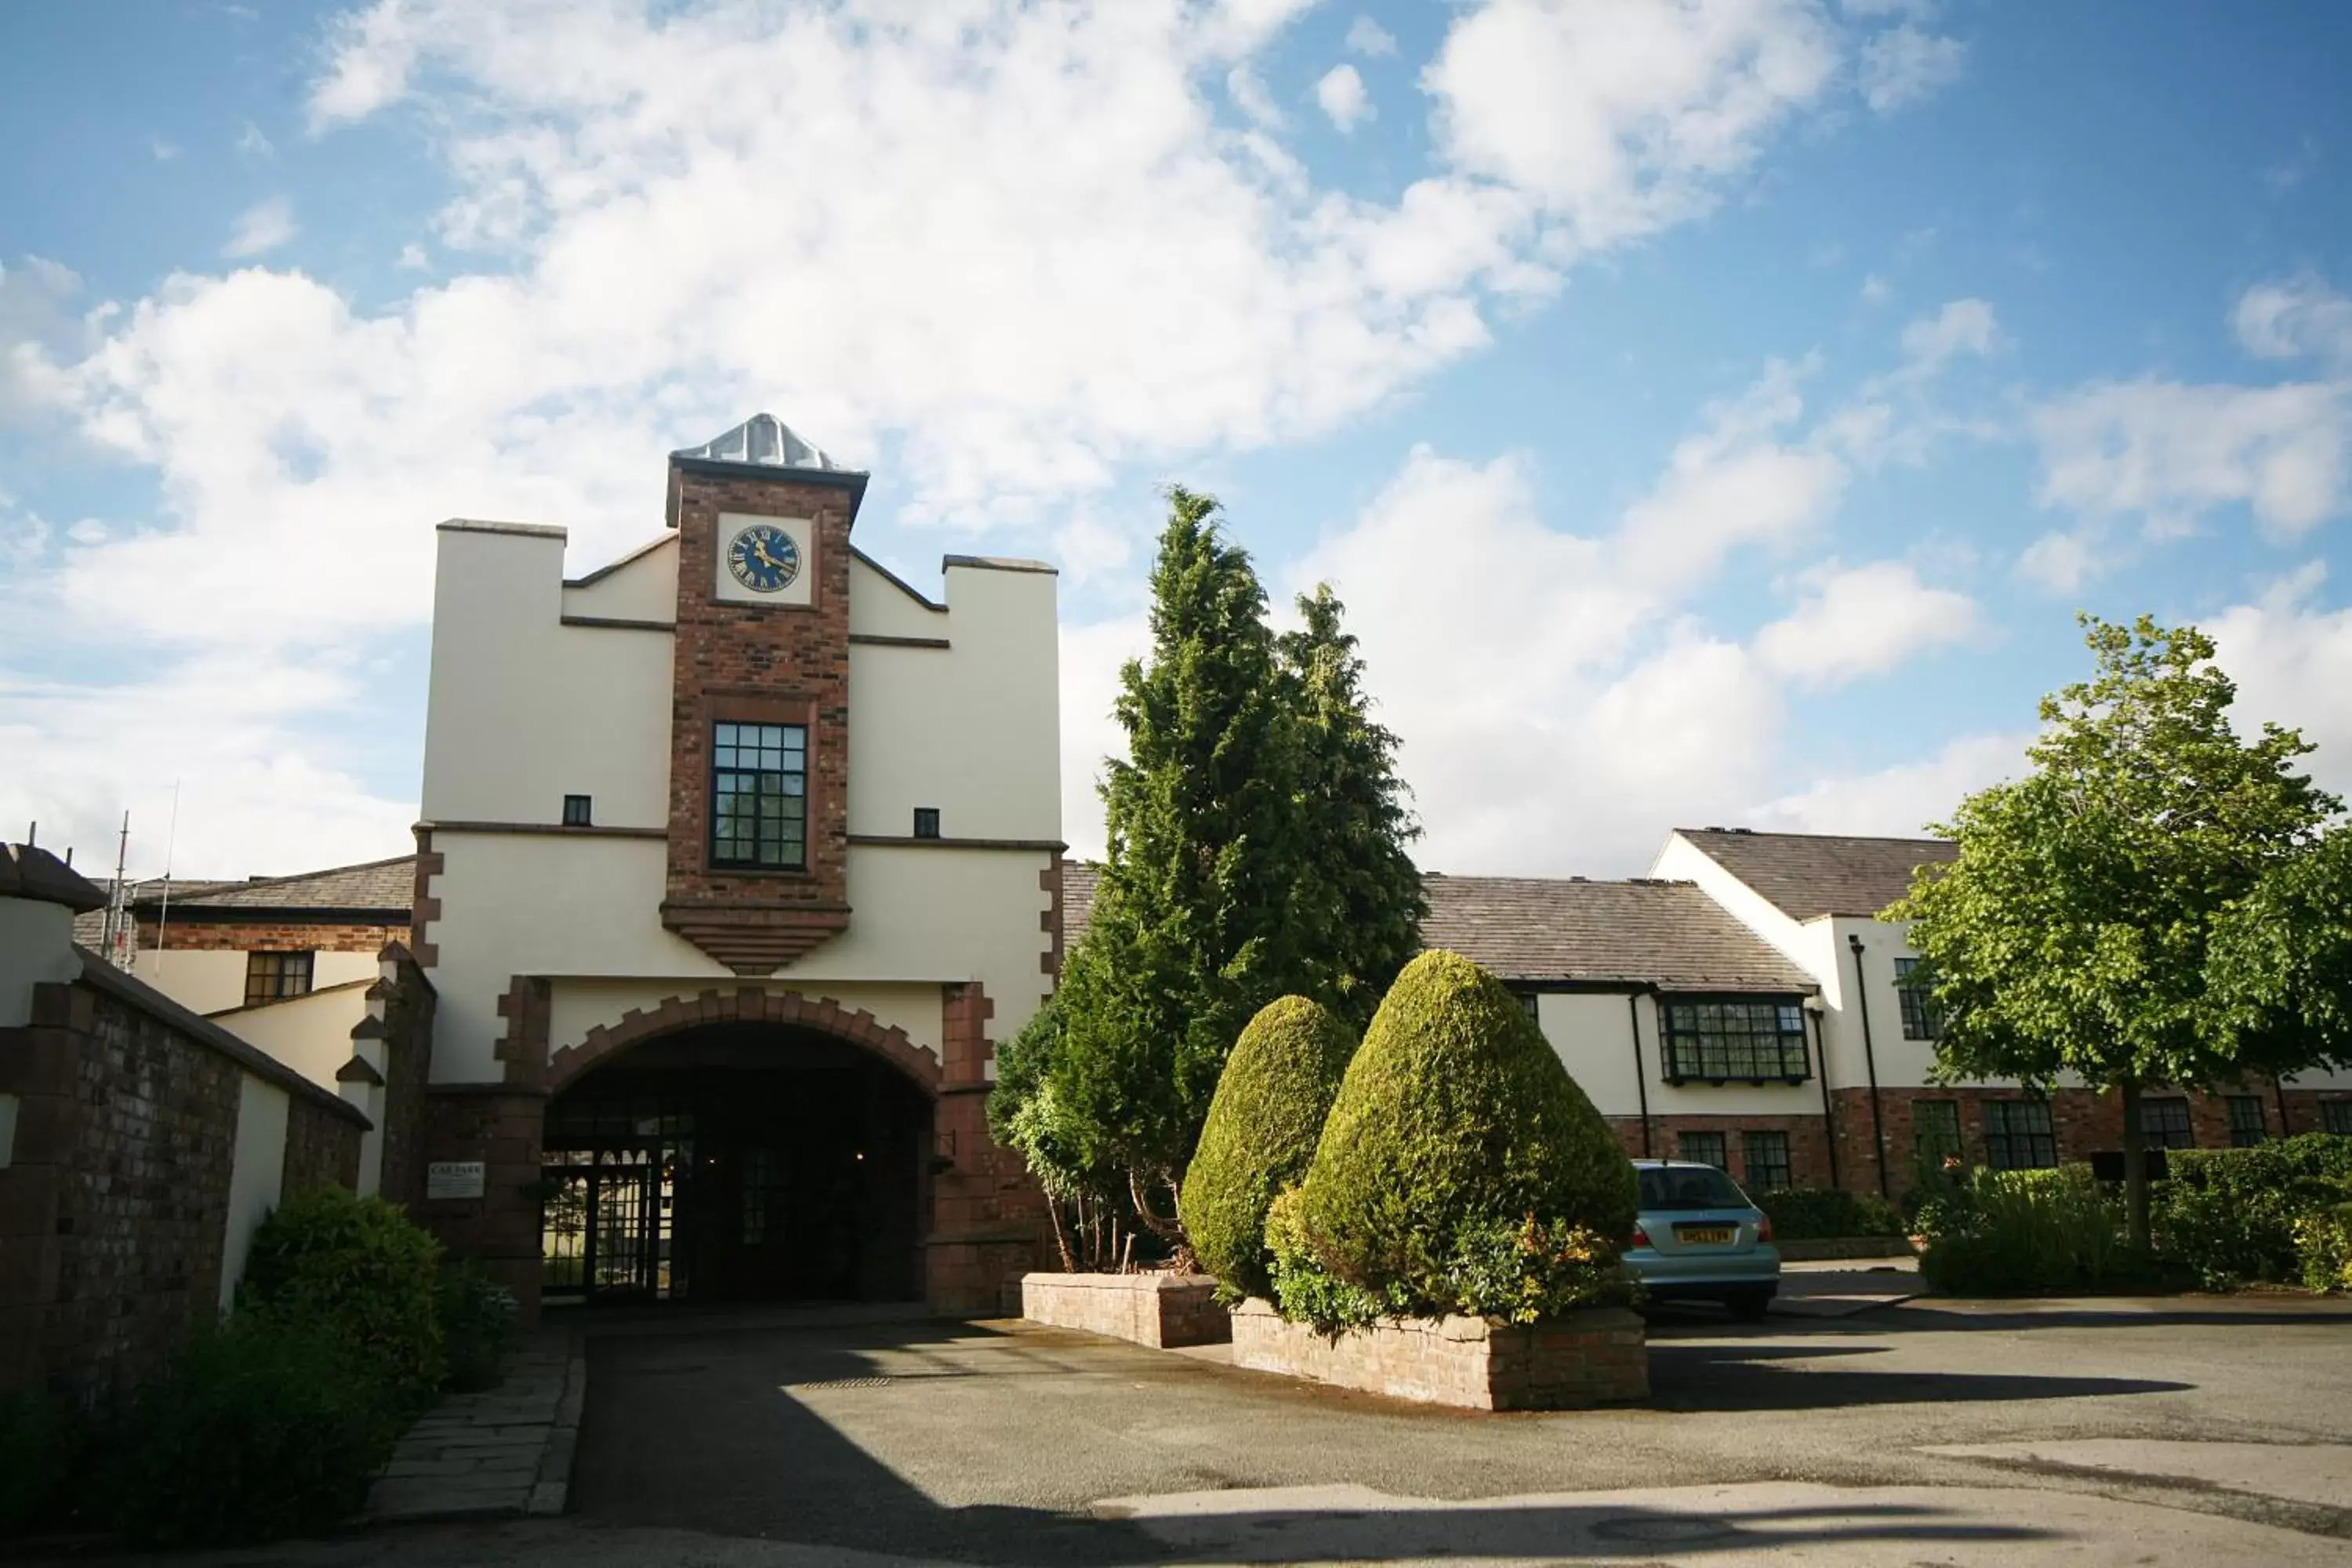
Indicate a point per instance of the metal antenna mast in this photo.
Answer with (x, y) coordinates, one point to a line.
(171, 840)
(115, 944)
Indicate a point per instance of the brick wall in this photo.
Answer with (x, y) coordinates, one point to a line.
(1809, 1155)
(280, 937)
(988, 1222)
(757, 663)
(113, 1213)
(501, 1126)
(1586, 1358)
(406, 1030)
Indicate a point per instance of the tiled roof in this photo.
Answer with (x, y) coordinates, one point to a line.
(1649, 932)
(1806, 875)
(1545, 929)
(372, 885)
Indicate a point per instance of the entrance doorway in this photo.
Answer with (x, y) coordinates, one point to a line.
(737, 1163)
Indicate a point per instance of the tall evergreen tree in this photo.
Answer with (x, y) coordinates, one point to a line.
(1362, 894)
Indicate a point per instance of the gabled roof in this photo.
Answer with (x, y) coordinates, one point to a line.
(373, 885)
(1809, 874)
(1538, 930)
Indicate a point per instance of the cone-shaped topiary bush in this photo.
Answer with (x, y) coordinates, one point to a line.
(1262, 1128)
(1461, 1169)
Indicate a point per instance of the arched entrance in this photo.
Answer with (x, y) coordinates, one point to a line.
(714, 1158)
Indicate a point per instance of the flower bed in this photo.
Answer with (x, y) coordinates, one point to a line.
(1587, 1358)
(1162, 1311)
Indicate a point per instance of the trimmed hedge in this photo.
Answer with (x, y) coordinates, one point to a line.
(1456, 1126)
(1818, 1213)
(2231, 1214)
(1262, 1128)
(361, 1269)
(2016, 1233)
(2324, 1242)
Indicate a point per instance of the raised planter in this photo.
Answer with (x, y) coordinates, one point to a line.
(1162, 1311)
(1595, 1357)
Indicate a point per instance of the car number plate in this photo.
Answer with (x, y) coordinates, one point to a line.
(1705, 1234)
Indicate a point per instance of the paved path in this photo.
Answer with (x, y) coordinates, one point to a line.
(506, 1450)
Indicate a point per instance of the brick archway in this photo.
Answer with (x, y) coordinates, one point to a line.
(748, 1005)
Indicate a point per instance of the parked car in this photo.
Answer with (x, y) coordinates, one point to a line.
(1697, 1239)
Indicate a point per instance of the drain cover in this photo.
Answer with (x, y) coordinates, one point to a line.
(843, 1383)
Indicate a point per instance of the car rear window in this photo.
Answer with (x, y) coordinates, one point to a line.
(1689, 1187)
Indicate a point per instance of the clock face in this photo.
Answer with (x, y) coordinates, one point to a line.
(764, 559)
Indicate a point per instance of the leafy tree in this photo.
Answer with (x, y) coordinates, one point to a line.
(2282, 963)
(2073, 931)
(1363, 892)
(1257, 836)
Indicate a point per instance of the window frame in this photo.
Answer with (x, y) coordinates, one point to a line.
(1955, 1144)
(2002, 1142)
(274, 975)
(727, 737)
(585, 814)
(1683, 1055)
(1917, 1003)
(2335, 1116)
(927, 822)
(1722, 1144)
(2242, 1135)
(2179, 1131)
(1749, 1138)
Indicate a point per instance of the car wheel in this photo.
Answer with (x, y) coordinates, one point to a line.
(1749, 1306)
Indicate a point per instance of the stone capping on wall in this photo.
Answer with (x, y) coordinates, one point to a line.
(281, 1001)
(749, 1005)
(552, 829)
(899, 583)
(1592, 1357)
(908, 841)
(619, 624)
(1162, 1311)
(885, 640)
(100, 975)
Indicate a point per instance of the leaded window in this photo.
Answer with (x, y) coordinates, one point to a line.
(759, 795)
(2335, 1115)
(2018, 1136)
(275, 976)
(2246, 1125)
(1717, 1041)
(1765, 1157)
(2164, 1123)
(1919, 1021)
(1704, 1148)
(1936, 1129)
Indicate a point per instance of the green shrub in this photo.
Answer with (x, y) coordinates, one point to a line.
(1456, 1117)
(2324, 1241)
(358, 1268)
(2230, 1215)
(1263, 1124)
(42, 1440)
(1304, 1290)
(478, 1325)
(2008, 1233)
(260, 1429)
(1810, 1213)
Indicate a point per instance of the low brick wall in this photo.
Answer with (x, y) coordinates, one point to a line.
(1587, 1358)
(1162, 1311)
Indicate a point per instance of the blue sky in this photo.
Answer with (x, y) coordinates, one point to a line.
(1712, 411)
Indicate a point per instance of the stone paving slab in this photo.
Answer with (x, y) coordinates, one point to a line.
(503, 1452)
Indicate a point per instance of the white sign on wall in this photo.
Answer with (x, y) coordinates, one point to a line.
(765, 560)
(454, 1179)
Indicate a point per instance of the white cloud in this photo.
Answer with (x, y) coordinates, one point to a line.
(164, 151)
(261, 227)
(2169, 453)
(1864, 620)
(1368, 39)
(1876, 290)
(2300, 318)
(412, 258)
(253, 144)
(1342, 96)
(2292, 664)
(1907, 64)
(1248, 91)
(36, 326)
(2063, 563)
(1897, 801)
(1623, 116)
(1961, 327)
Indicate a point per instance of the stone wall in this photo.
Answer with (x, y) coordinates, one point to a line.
(1162, 1311)
(114, 1211)
(405, 1029)
(1569, 1364)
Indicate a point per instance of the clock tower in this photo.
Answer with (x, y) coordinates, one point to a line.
(759, 769)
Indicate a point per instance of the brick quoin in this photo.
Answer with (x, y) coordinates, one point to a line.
(759, 663)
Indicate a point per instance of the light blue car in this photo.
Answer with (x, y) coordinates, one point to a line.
(1697, 1239)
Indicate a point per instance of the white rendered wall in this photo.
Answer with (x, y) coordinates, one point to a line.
(311, 1034)
(256, 1178)
(521, 709)
(975, 729)
(588, 908)
(201, 980)
(642, 587)
(36, 949)
(1592, 1033)
(881, 607)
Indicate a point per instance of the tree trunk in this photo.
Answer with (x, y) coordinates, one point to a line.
(2134, 1167)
